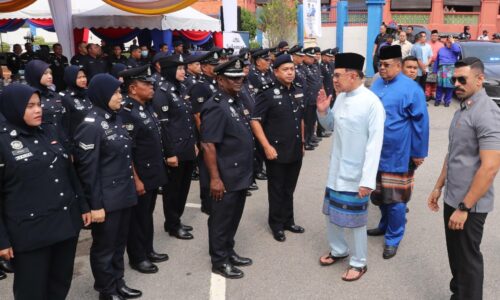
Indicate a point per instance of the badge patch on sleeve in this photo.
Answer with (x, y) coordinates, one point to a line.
(86, 147)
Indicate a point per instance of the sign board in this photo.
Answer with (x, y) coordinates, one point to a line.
(236, 40)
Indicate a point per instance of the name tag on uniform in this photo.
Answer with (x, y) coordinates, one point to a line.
(299, 95)
(277, 96)
(23, 156)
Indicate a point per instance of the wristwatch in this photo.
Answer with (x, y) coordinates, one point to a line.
(462, 207)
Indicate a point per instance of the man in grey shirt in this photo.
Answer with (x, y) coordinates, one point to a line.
(470, 167)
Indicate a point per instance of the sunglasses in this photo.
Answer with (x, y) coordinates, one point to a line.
(461, 79)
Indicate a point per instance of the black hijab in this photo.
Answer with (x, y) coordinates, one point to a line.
(101, 89)
(170, 71)
(34, 71)
(70, 76)
(13, 102)
(117, 68)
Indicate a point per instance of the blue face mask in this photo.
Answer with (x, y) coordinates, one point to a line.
(144, 53)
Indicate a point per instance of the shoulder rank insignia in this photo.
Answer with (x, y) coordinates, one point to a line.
(90, 120)
(128, 106)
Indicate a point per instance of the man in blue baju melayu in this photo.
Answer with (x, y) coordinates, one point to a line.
(357, 120)
(406, 143)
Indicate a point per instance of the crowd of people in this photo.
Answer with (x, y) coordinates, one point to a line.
(92, 144)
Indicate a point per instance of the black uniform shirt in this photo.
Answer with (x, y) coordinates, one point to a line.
(280, 112)
(247, 95)
(40, 195)
(147, 148)
(76, 107)
(103, 156)
(14, 63)
(57, 65)
(79, 60)
(94, 66)
(327, 73)
(259, 79)
(112, 60)
(201, 91)
(52, 108)
(176, 119)
(314, 82)
(225, 125)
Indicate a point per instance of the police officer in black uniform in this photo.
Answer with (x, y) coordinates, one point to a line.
(193, 70)
(15, 63)
(277, 122)
(103, 156)
(327, 72)
(79, 58)
(314, 84)
(228, 152)
(149, 166)
(29, 55)
(134, 59)
(41, 199)
(178, 130)
(157, 69)
(260, 75)
(116, 57)
(74, 99)
(58, 62)
(5, 265)
(94, 63)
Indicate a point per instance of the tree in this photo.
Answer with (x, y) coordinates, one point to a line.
(278, 20)
(248, 23)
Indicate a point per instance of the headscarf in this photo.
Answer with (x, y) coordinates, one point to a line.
(101, 89)
(13, 102)
(34, 71)
(70, 76)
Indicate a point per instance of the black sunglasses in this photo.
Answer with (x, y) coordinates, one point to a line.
(461, 79)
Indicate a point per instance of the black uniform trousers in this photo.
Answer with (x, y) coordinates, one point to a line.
(109, 240)
(45, 273)
(258, 161)
(464, 255)
(281, 182)
(175, 193)
(223, 224)
(204, 185)
(141, 232)
(309, 122)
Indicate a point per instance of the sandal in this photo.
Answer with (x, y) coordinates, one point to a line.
(360, 270)
(333, 258)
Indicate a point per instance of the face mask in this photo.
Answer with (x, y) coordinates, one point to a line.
(144, 53)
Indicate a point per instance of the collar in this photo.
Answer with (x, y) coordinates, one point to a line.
(356, 91)
(466, 104)
(395, 79)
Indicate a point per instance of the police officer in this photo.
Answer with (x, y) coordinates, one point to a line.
(5, 265)
(15, 63)
(134, 59)
(198, 94)
(228, 152)
(42, 202)
(193, 70)
(94, 63)
(327, 72)
(314, 84)
(277, 123)
(178, 130)
(29, 55)
(74, 99)
(103, 156)
(58, 62)
(260, 75)
(116, 57)
(80, 58)
(149, 166)
(157, 69)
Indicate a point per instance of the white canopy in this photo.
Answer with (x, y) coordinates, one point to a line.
(40, 9)
(107, 16)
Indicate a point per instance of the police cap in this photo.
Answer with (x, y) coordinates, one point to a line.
(282, 59)
(264, 53)
(138, 73)
(231, 68)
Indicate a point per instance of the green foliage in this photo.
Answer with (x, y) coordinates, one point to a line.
(39, 40)
(5, 47)
(278, 20)
(248, 23)
(254, 44)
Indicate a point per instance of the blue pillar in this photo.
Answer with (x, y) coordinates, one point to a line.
(33, 30)
(258, 11)
(375, 14)
(167, 39)
(341, 22)
(300, 24)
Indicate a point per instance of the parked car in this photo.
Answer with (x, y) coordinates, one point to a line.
(489, 53)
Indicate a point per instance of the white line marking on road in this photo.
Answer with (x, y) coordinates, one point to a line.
(217, 287)
(194, 205)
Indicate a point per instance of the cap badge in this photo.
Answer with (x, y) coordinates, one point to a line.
(237, 65)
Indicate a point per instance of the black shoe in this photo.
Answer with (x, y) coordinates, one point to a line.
(205, 210)
(146, 267)
(129, 293)
(261, 176)
(316, 139)
(6, 266)
(375, 232)
(325, 135)
(407, 210)
(249, 193)
(308, 147)
(110, 297)
(239, 261)
(187, 227)
(228, 271)
(195, 176)
(157, 257)
(279, 235)
(436, 103)
(447, 105)
(295, 228)
(389, 251)
(160, 190)
(314, 144)
(2, 275)
(253, 187)
(181, 234)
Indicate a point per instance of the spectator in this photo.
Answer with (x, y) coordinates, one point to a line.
(466, 34)
(444, 67)
(404, 43)
(423, 52)
(430, 86)
(409, 34)
(94, 63)
(14, 62)
(484, 36)
(410, 67)
(178, 47)
(135, 57)
(378, 40)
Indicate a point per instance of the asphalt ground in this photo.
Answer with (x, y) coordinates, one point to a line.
(290, 270)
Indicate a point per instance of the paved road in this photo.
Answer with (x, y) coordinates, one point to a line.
(290, 270)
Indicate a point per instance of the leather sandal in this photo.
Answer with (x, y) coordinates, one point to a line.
(333, 258)
(361, 271)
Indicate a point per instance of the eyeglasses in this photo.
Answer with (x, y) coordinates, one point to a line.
(461, 79)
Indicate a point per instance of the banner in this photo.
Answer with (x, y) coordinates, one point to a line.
(312, 18)
(236, 40)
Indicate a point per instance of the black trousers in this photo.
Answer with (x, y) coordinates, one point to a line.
(422, 80)
(464, 255)
(223, 224)
(175, 193)
(204, 185)
(45, 273)
(258, 161)
(281, 182)
(141, 232)
(309, 122)
(109, 240)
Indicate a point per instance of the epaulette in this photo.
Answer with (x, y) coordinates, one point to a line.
(62, 94)
(128, 106)
(267, 85)
(218, 97)
(164, 87)
(297, 84)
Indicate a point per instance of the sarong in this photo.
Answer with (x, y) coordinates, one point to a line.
(393, 188)
(345, 209)
(445, 72)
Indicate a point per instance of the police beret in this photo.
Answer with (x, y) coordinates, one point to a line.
(139, 73)
(264, 53)
(309, 51)
(159, 56)
(282, 59)
(349, 61)
(389, 52)
(283, 44)
(297, 50)
(231, 68)
(173, 60)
